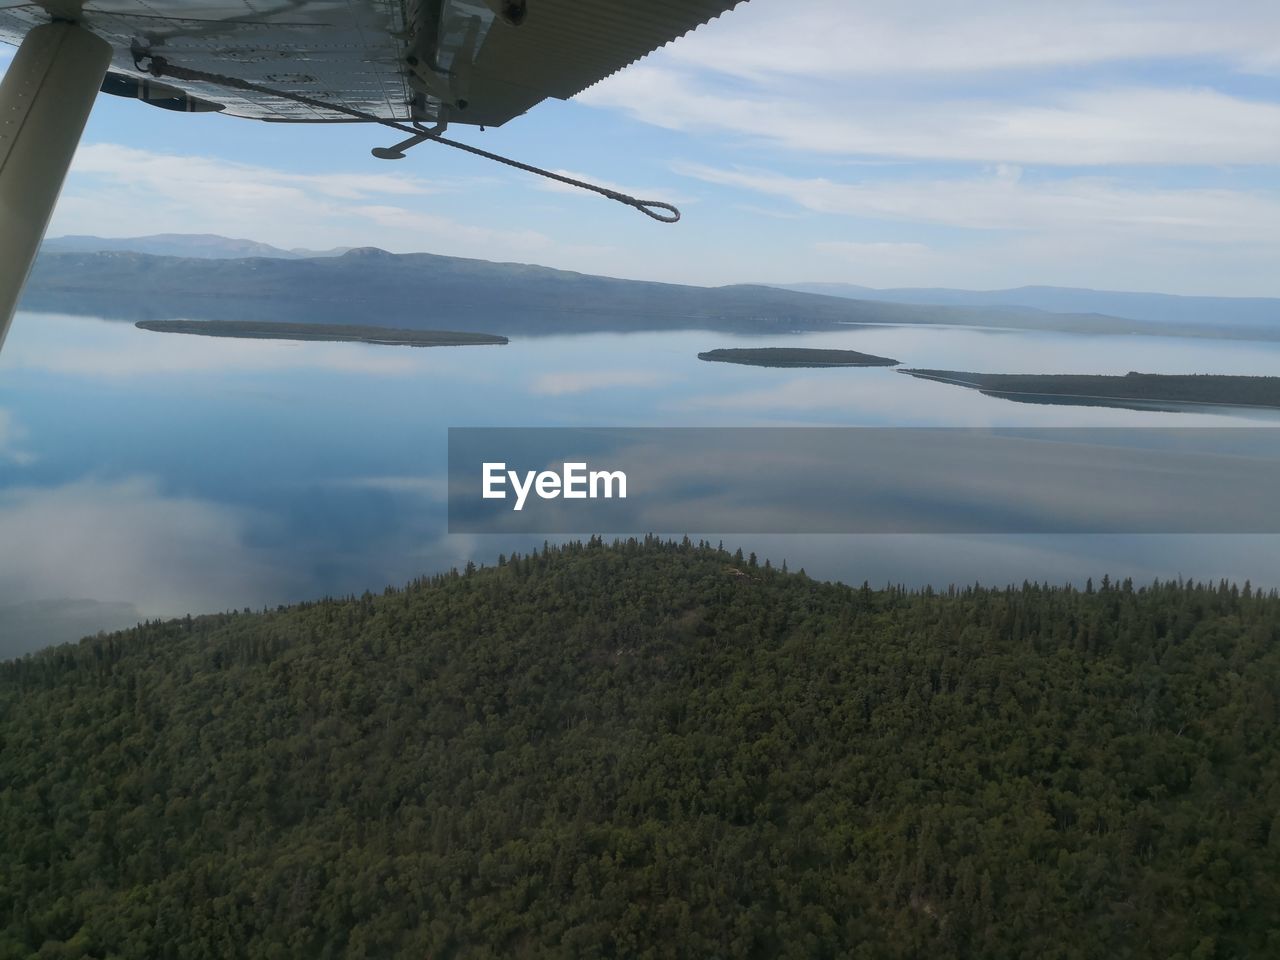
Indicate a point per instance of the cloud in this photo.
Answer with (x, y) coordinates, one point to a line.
(989, 81)
(153, 192)
(559, 384)
(11, 437)
(1005, 201)
(173, 175)
(834, 38)
(1114, 125)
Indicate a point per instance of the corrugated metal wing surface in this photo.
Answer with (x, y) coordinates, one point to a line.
(565, 46)
(339, 51)
(353, 53)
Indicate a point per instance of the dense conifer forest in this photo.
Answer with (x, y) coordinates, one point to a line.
(652, 749)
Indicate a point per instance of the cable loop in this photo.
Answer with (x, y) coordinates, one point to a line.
(158, 67)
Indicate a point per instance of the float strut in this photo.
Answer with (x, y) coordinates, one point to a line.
(44, 102)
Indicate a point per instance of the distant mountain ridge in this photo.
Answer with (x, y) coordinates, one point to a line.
(1017, 307)
(208, 246)
(427, 291)
(1238, 312)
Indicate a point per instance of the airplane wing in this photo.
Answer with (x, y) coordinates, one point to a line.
(465, 61)
(394, 62)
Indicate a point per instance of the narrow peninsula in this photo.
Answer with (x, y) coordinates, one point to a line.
(334, 332)
(1135, 391)
(796, 357)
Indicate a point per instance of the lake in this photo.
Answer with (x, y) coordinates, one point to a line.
(150, 474)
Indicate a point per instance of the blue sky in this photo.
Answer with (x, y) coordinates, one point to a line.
(989, 144)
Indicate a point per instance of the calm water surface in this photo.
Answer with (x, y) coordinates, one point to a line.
(160, 474)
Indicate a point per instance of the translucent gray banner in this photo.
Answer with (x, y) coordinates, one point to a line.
(864, 480)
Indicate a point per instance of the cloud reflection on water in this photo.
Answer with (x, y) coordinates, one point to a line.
(128, 540)
(187, 473)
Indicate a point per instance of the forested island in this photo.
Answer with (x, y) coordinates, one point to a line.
(1133, 390)
(342, 333)
(796, 357)
(654, 749)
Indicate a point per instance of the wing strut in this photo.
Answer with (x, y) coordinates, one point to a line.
(44, 102)
(159, 67)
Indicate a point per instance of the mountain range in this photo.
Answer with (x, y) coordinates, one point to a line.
(204, 246)
(427, 291)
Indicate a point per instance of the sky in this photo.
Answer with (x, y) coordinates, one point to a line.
(989, 144)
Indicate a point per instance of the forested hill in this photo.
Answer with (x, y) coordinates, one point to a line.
(654, 750)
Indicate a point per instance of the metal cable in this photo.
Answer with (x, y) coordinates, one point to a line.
(159, 67)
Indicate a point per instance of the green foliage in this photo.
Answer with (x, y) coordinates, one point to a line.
(642, 750)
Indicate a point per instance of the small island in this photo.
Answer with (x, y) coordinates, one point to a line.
(796, 357)
(334, 332)
(1133, 391)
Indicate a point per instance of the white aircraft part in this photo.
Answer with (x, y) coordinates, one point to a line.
(479, 62)
(44, 102)
(377, 56)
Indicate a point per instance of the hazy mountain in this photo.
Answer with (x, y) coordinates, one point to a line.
(1229, 312)
(200, 245)
(425, 291)
(1018, 307)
